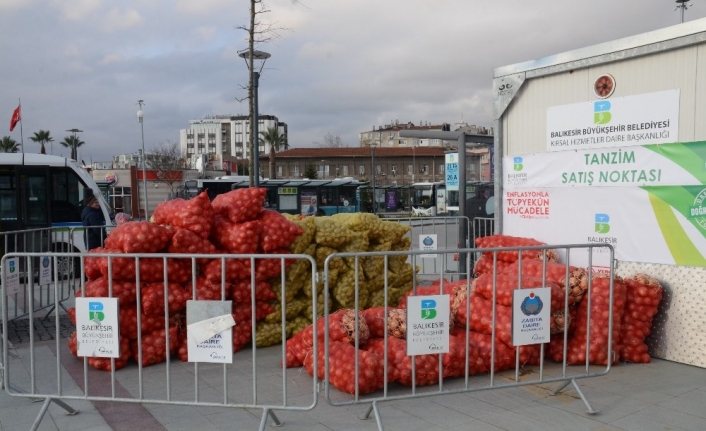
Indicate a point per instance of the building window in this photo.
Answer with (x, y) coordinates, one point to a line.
(393, 169)
(425, 169)
(120, 199)
(361, 169)
(403, 142)
(410, 169)
(279, 170)
(295, 170)
(345, 170)
(441, 169)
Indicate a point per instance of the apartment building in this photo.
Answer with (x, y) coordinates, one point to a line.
(222, 139)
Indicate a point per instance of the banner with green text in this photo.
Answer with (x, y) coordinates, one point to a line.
(648, 201)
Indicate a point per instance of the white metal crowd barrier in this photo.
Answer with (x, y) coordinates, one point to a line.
(521, 374)
(254, 379)
(60, 240)
(445, 231)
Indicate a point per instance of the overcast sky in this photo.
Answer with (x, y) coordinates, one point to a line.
(338, 67)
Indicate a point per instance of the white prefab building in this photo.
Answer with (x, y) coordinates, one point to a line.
(609, 144)
(223, 138)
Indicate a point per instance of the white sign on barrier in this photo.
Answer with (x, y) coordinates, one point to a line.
(44, 270)
(97, 333)
(209, 331)
(427, 243)
(427, 324)
(12, 276)
(530, 316)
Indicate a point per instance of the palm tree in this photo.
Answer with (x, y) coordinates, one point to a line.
(277, 142)
(42, 137)
(8, 145)
(73, 143)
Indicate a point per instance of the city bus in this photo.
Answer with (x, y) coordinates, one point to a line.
(41, 198)
(429, 199)
(293, 196)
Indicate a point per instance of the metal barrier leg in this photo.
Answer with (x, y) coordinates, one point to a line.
(374, 409)
(39, 418)
(583, 397)
(578, 390)
(275, 419)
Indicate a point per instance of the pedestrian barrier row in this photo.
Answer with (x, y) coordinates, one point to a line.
(358, 367)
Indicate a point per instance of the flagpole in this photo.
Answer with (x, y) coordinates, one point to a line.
(22, 141)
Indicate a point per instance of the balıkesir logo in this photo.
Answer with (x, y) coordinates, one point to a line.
(602, 225)
(428, 309)
(517, 164)
(95, 311)
(12, 266)
(601, 112)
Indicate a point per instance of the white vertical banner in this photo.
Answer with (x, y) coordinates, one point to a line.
(428, 243)
(428, 324)
(530, 316)
(97, 331)
(44, 270)
(451, 170)
(12, 276)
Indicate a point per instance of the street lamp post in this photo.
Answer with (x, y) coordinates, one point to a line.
(140, 114)
(74, 149)
(253, 55)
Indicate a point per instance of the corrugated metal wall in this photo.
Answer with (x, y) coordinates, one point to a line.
(525, 120)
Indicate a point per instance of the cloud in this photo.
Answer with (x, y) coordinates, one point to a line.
(76, 10)
(112, 58)
(320, 51)
(206, 33)
(117, 20)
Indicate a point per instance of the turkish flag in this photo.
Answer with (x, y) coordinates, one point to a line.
(16, 117)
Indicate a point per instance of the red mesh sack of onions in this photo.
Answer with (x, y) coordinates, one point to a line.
(151, 269)
(497, 241)
(484, 265)
(506, 283)
(376, 318)
(207, 290)
(400, 365)
(454, 362)
(153, 297)
(504, 355)
(643, 295)
(103, 363)
(127, 320)
(276, 231)
(186, 242)
(449, 288)
(342, 368)
(139, 237)
(235, 269)
(342, 327)
(125, 291)
(236, 238)
(269, 267)
(599, 352)
(482, 321)
(154, 346)
(91, 264)
(556, 273)
(240, 205)
(194, 214)
(241, 291)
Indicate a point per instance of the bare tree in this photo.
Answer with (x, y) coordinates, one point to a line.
(331, 141)
(168, 164)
